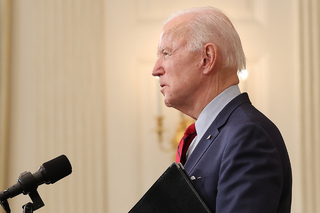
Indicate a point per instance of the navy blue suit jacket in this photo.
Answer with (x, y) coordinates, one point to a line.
(241, 164)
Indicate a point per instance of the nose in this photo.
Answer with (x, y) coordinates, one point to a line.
(158, 69)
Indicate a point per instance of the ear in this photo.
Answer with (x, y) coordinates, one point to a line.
(210, 53)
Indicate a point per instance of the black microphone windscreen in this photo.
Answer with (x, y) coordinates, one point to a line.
(57, 168)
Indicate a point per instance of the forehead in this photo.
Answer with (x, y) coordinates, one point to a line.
(169, 38)
(174, 32)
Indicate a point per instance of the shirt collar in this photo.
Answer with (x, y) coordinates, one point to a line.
(211, 111)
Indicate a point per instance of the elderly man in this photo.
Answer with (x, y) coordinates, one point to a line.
(238, 157)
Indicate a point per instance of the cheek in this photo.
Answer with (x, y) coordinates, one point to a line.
(180, 73)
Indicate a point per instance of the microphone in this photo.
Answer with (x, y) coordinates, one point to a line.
(49, 173)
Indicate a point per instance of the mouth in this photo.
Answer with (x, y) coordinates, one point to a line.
(162, 86)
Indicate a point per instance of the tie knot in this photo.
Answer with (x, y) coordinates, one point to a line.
(190, 130)
(189, 135)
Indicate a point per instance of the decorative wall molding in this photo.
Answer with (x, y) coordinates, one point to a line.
(148, 10)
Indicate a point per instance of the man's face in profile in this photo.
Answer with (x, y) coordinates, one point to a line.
(178, 69)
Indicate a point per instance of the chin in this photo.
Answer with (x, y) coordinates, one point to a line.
(167, 103)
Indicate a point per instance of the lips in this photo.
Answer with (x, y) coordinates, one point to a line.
(162, 87)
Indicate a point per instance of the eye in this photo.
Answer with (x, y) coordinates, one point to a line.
(165, 53)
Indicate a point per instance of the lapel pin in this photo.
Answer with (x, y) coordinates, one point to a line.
(194, 178)
(209, 137)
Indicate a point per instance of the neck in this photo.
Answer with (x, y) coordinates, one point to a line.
(210, 89)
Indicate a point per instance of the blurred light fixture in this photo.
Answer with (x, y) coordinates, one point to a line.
(243, 74)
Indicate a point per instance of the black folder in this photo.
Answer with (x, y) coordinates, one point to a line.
(173, 192)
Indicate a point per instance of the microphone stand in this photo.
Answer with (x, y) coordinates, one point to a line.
(5, 205)
(37, 202)
(29, 207)
(49, 172)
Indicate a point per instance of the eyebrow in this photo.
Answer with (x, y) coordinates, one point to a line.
(164, 49)
(161, 49)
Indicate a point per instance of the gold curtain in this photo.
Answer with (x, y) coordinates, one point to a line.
(5, 39)
(55, 99)
(310, 103)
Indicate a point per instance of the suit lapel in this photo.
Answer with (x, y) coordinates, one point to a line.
(213, 131)
(203, 145)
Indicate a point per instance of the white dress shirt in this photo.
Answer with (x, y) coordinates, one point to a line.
(210, 112)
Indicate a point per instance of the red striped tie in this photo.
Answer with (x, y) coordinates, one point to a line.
(184, 144)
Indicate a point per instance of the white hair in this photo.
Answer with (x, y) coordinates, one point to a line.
(210, 25)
